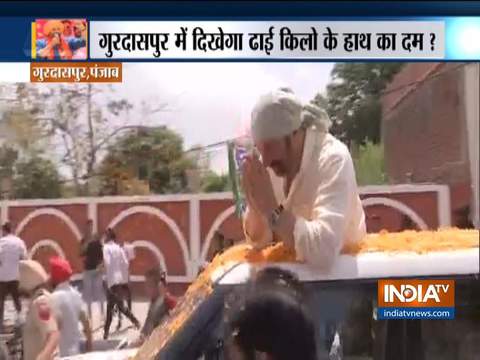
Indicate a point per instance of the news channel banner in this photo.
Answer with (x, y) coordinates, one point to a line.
(82, 49)
(416, 299)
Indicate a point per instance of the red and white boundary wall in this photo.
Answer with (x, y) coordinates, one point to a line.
(176, 231)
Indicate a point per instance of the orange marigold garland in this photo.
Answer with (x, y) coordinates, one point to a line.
(406, 241)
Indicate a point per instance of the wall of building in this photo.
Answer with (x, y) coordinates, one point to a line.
(424, 129)
(177, 232)
(472, 105)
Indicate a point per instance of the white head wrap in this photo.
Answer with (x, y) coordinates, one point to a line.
(32, 275)
(280, 113)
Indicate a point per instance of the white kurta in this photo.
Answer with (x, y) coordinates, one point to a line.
(116, 264)
(12, 250)
(68, 307)
(324, 199)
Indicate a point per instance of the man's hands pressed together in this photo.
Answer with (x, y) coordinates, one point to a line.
(262, 202)
(258, 187)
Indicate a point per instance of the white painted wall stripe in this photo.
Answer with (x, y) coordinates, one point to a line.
(193, 253)
(404, 209)
(53, 212)
(123, 199)
(215, 226)
(444, 207)
(162, 216)
(161, 259)
(155, 250)
(4, 213)
(384, 189)
(92, 214)
(401, 188)
(194, 236)
(46, 243)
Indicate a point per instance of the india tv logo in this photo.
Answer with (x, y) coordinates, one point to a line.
(416, 299)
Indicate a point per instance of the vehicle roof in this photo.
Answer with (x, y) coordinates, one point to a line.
(367, 266)
(105, 355)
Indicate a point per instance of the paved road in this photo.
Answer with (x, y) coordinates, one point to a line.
(140, 310)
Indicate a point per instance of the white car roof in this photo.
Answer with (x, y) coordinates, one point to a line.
(105, 355)
(368, 266)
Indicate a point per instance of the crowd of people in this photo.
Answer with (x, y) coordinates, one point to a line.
(51, 326)
(300, 189)
(63, 40)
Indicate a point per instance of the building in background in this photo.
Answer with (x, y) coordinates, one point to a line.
(430, 131)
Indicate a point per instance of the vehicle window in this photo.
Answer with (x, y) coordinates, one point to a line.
(347, 328)
(198, 336)
(344, 313)
(458, 338)
(343, 316)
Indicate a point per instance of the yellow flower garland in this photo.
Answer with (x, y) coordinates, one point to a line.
(406, 241)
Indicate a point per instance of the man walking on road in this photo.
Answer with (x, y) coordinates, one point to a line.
(161, 303)
(92, 253)
(12, 250)
(126, 291)
(69, 309)
(115, 262)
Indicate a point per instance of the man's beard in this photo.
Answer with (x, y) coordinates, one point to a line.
(278, 168)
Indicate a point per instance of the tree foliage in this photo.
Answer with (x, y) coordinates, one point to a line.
(74, 119)
(213, 182)
(353, 99)
(36, 178)
(369, 165)
(154, 156)
(8, 158)
(31, 177)
(86, 130)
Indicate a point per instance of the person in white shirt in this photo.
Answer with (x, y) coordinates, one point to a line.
(12, 250)
(40, 332)
(130, 255)
(115, 262)
(69, 309)
(300, 187)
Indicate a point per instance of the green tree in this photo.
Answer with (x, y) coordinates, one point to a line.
(369, 164)
(19, 125)
(75, 120)
(36, 178)
(8, 158)
(353, 99)
(153, 155)
(213, 182)
(81, 116)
